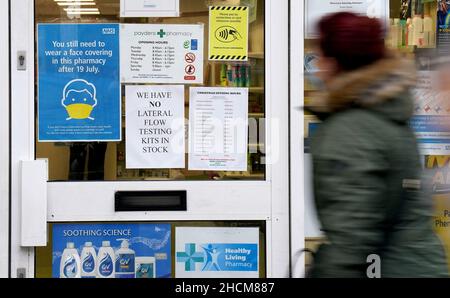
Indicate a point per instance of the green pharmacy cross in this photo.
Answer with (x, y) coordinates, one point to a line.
(190, 257)
(161, 33)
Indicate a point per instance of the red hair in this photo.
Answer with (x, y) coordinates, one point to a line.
(353, 40)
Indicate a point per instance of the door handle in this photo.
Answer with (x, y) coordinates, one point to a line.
(21, 60)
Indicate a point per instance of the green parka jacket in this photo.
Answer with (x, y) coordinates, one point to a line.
(367, 178)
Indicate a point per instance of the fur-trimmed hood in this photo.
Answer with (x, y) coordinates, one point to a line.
(383, 86)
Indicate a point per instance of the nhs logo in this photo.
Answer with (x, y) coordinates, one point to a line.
(109, 31)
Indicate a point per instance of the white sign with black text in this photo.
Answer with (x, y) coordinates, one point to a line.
(161, 53)
(149, 8)
(218, 129)
(155, 128)
(317, 9)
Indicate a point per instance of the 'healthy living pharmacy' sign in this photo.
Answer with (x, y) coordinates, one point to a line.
(217, 252)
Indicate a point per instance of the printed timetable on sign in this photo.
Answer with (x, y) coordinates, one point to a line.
(161, 53)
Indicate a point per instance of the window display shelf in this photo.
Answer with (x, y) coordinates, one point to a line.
(259, 90)
(256, 115)
(244, 176)
(256, 55)
(256, 90)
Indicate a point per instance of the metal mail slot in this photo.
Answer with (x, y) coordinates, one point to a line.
(150, 201)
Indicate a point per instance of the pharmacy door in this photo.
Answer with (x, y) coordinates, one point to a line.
(149, 138)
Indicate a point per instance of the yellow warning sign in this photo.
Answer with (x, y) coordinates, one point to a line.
(228, 33)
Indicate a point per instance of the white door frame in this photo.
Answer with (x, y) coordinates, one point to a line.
(297, 137)
(22, 124)
(267, 200)
(4, 137)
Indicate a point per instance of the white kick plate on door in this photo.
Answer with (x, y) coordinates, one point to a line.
(34, 176)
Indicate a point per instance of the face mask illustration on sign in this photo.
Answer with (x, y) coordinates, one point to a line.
(79, 99)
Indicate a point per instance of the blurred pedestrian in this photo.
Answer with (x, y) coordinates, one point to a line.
(367, 171)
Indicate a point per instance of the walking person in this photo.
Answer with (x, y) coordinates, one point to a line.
(367, 170)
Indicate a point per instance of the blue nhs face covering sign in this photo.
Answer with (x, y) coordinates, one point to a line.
(79, 87)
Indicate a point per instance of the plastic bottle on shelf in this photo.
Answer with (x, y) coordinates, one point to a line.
(105, 261)
(409, 33)
(389, 35)
(223, 75)
(395, 33)
(229, 75)
(88, 261)
(403, 31)
(243, 76)
(235, 80)
(125, 260)
(418, 30)
(70, 262)
(428, 30)
(247, 76)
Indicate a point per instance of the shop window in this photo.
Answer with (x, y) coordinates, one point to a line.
(153, 250)
(416, 30)
(105, 160)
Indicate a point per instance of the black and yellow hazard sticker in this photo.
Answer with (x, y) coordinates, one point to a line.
(228, 33)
